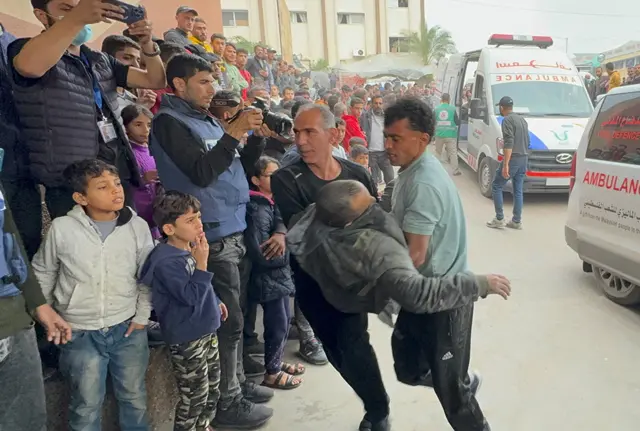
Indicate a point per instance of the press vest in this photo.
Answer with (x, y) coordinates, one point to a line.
(445, 121)
(223, 202)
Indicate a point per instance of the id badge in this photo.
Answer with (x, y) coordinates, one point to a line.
(5, 348)
(107, 131)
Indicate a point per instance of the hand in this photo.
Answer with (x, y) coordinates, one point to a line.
(143, 30)
(147, 97)
(201, 252)
(505, 171)
(250, 119)
(58, 330)
(150, 176)
(263, 131)
(95, 11)
(499, 285)
(274, 246)
(263, 73)
(133, 326)
(224, 313)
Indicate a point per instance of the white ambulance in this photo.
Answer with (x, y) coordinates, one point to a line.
(546, 89)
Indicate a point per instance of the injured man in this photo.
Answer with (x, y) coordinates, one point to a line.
(358, 255)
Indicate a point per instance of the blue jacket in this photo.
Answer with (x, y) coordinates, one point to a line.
(224, 198)
(182, 296)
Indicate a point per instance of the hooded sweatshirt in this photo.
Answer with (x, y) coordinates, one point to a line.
(183, 297)
(360, 267)
(91, 281)
(352, 130)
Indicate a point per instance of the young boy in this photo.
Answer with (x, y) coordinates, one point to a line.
(187, 307)
(358, 152)
(338, 150)
(87, 267)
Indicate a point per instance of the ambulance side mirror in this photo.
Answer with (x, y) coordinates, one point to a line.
(477, 110)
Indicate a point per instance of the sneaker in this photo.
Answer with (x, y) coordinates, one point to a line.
(312, 352)
(242, 414)
(475, 381)
(252, 368)
(496, 224)
(457, 172)
(253, 348)
(256, 394)
(367, 425)
(514, 225)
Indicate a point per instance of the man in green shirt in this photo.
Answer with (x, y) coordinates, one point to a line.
(235, 81)
(427, 207)
(447, 133)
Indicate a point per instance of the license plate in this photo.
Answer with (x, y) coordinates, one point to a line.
(558, 181)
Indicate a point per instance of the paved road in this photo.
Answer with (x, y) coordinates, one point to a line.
(557, 356)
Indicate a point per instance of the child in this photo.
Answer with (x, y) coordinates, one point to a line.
(270, 284)
(87, 268)
(338, 150)
(358, 152)
(137, 122)
(187, 307)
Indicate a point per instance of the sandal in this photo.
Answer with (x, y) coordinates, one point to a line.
(283, 381)
(293, 369)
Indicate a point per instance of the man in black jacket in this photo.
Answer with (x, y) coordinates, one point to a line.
(66, 96)
(344, 336)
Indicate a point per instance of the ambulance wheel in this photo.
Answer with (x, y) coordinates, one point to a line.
(616, 288)
(485, 177)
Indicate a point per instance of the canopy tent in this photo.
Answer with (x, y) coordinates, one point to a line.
(405, 66)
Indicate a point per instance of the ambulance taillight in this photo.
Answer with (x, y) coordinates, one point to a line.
(520, 40)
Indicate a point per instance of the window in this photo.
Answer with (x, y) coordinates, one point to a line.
(543, 96)
(298, 17)
(350, 18)
(616, 133)
(398, 3)
(235, 18)
(398, 44)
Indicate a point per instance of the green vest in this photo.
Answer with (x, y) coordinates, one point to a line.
(445, 124)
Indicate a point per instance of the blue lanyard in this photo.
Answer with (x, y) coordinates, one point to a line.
(97, 94)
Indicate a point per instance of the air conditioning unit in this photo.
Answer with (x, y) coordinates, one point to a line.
(358, 52)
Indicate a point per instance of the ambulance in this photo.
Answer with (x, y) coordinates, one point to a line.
(547, 91)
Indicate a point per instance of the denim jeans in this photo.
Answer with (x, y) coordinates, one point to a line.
(22, 403)
(85, 362)
(230, 270)
(517, 173)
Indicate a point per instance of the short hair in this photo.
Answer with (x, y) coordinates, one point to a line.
(232, 45)
(215, 36)
(185, 66)
(356, 101)
(445, 97)
(299, 102)
(260, 166)
(302, 93)
(199, 19)
(332, 100)
(78, 174)
(334, 203)
(115, 43)
(131, 112)
(40, 4)
(360, 93)
(357, 148)
(328, 119)
(609, 66)
(288, 89)
(242, 51)
(340, 122)
(171, 205)
(169, 49)
(253, 90)
(415, 111)
(377, 96)
(339, 109)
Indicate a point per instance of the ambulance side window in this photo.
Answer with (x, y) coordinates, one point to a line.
(481, 93)
(616, 133)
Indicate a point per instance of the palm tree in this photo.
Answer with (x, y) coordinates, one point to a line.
(319, 65)
(430, 43)
(241, 42)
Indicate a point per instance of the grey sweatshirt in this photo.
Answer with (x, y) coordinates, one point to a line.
(515, 132)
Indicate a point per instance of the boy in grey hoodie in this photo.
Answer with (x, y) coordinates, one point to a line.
(87, 267)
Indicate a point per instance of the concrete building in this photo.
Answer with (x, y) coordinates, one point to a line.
(334, 30)
(624, 56)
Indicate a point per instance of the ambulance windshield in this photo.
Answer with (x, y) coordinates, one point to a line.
(544, 98)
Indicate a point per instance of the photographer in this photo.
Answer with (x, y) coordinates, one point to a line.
(199, 155)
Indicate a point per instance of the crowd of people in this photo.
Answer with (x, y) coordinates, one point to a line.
(603, 83)
(187, 184)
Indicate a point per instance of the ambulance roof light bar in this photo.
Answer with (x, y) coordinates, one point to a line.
(542, 42)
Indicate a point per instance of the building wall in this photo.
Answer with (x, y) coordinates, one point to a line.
(253, 31)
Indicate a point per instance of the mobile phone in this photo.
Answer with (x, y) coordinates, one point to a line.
(132, 14)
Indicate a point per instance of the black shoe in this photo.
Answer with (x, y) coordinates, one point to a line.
(252, 368)
(253, 348)
(312, 352)
(256, 394)
(367, 425)
(242, 414)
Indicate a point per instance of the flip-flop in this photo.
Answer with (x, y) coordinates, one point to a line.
(298, 369)
(285, 385)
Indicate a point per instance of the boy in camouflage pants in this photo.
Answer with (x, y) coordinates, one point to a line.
(187, 308)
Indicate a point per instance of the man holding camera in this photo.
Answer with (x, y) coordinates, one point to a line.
(198, 154)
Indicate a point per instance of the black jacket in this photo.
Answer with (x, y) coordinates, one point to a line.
(270, 279)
